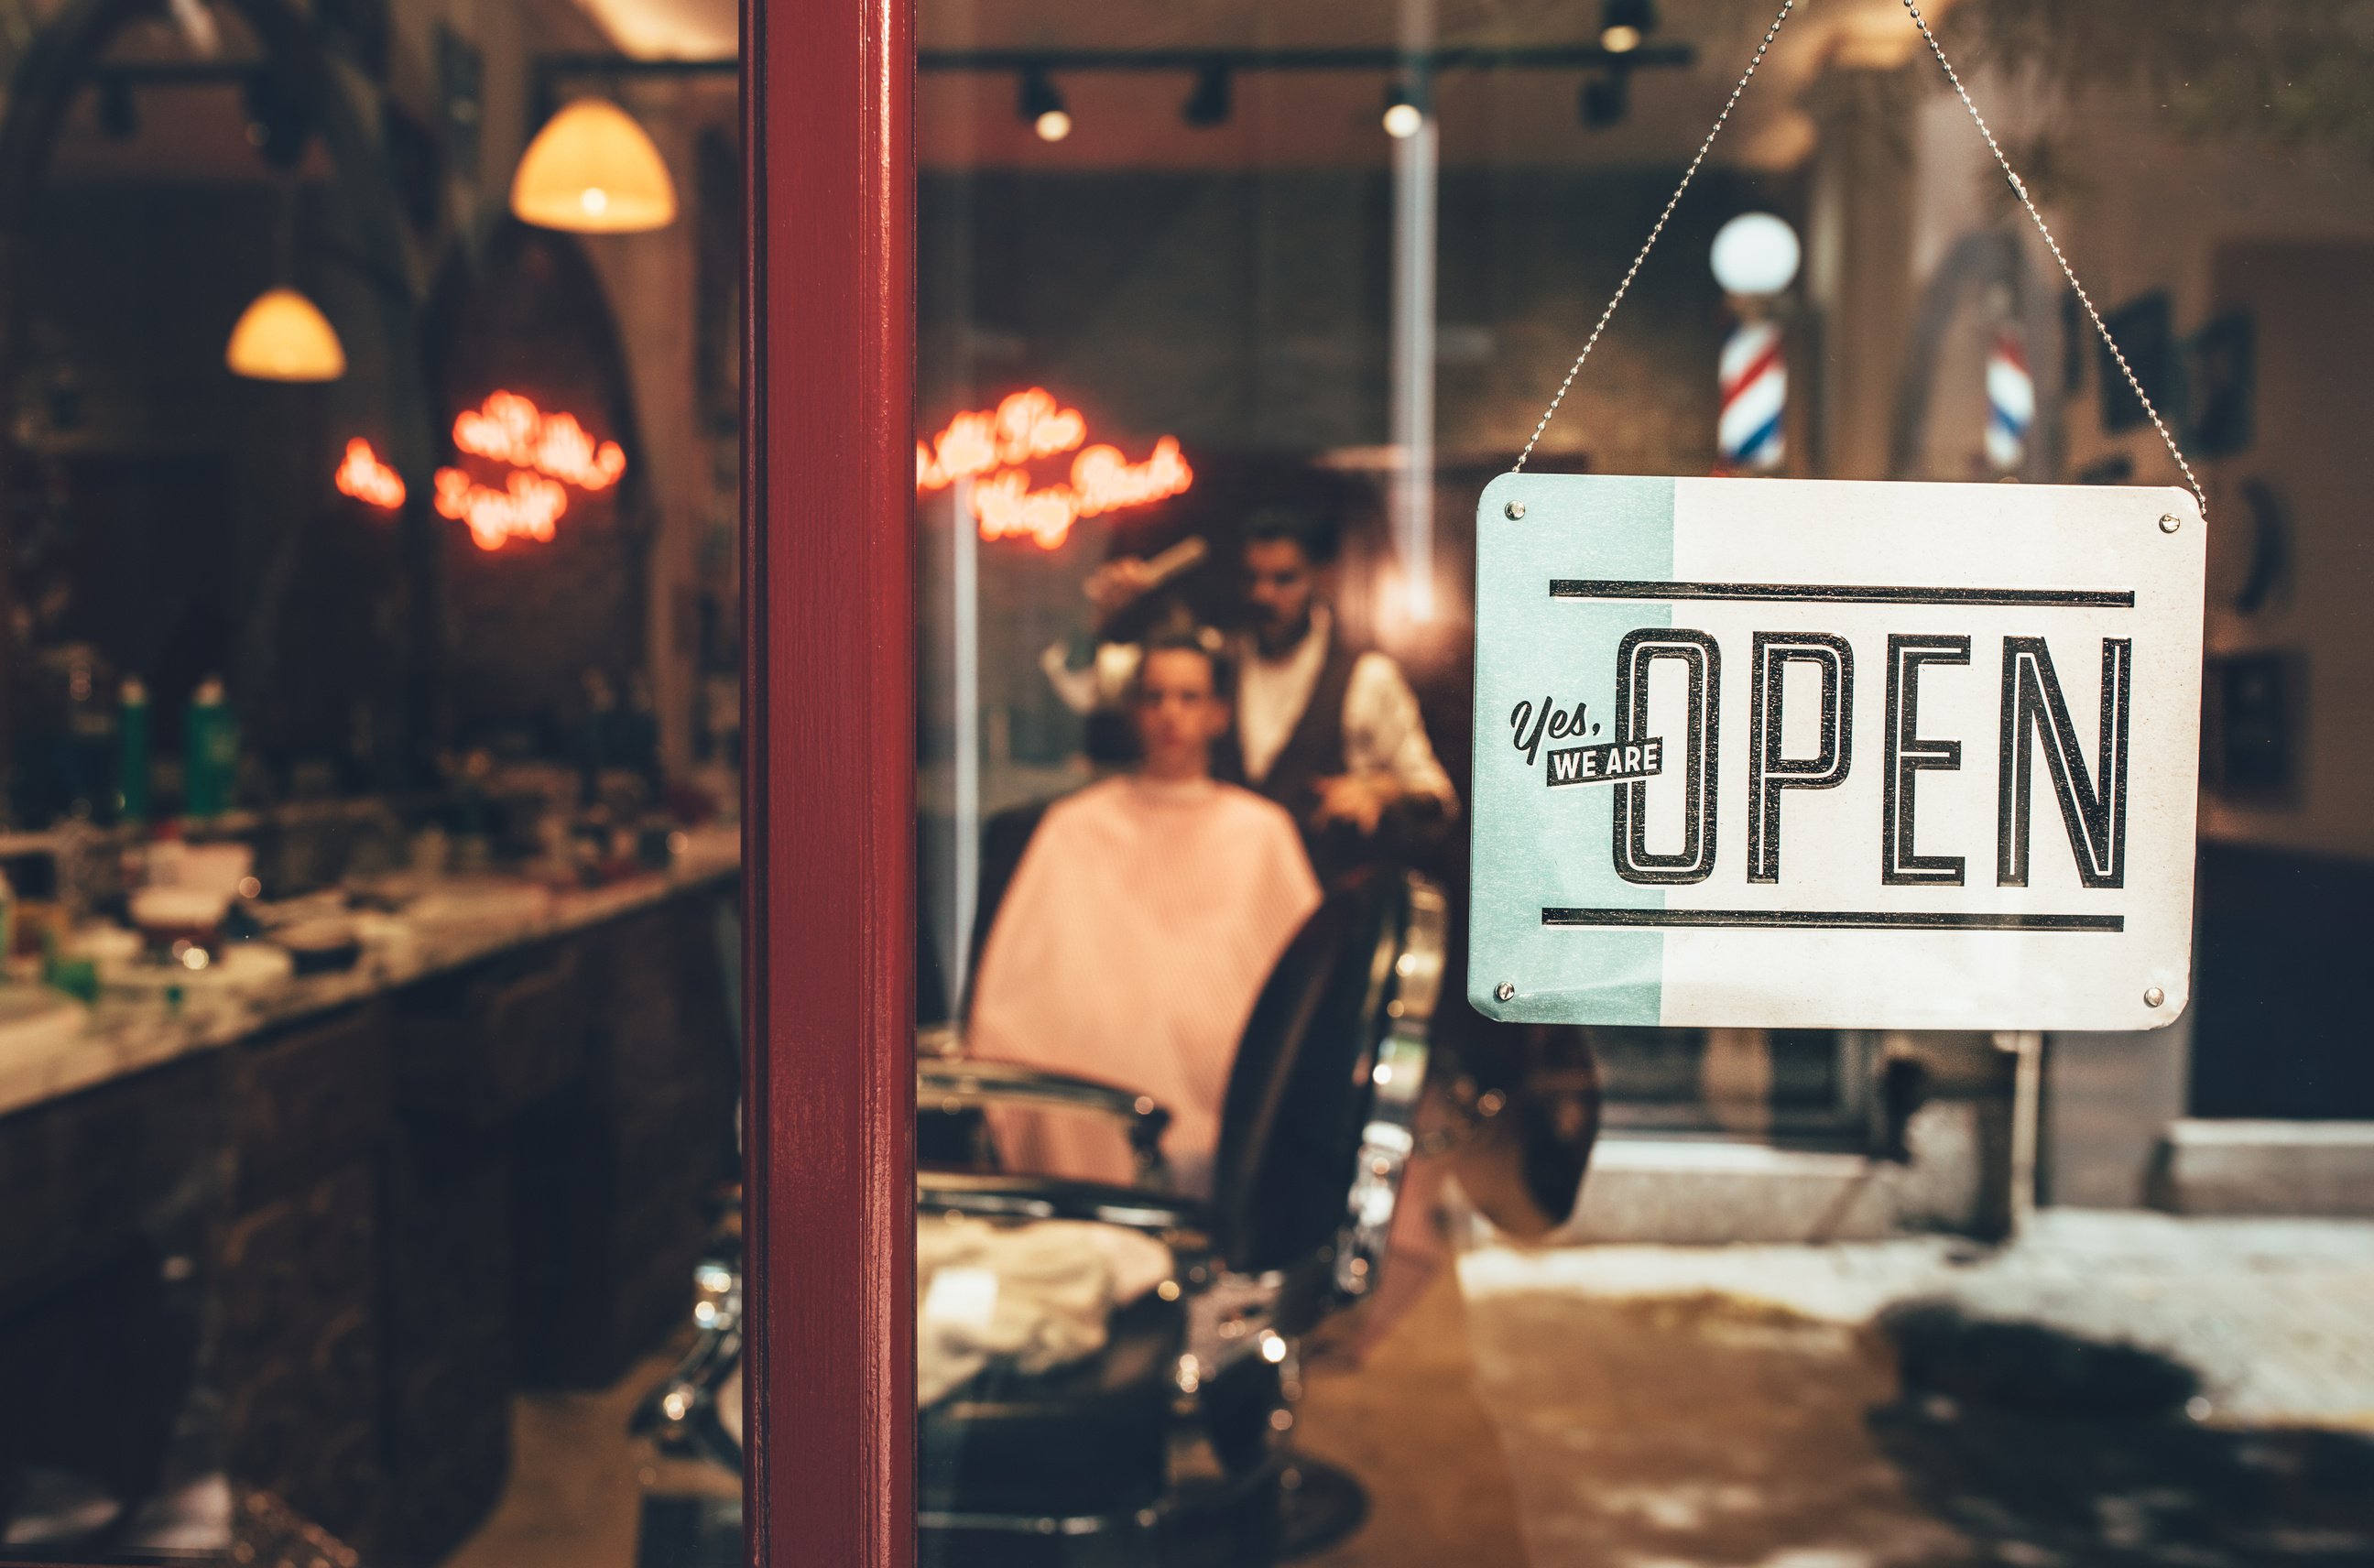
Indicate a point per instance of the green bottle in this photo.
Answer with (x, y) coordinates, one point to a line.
(212, 753)
(132, 752)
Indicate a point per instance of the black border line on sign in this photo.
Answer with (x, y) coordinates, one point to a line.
(1832, 919)
(1840, 593)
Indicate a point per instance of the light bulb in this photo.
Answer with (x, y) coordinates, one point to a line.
(1755, 253)
(1041, 107)
(1403, 121)
(1621, 38)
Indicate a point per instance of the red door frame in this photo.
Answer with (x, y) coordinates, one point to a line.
(830, 792)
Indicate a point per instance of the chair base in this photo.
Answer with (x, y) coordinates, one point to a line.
(689, 1530)
(1320, 1506)
(1311, 1506)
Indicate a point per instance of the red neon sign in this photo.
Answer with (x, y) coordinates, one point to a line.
(369, 481)
(525, 509)
(992, 447)
(510, 428)
(546, 451)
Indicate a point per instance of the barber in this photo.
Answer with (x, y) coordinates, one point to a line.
(1329, 730)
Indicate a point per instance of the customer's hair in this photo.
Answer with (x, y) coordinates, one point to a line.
(1307, 531)
(1181, 635)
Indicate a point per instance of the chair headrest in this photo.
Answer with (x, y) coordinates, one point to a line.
(1300, 1092)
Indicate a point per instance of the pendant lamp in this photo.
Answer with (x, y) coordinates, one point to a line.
(285, 336)
(593, 171)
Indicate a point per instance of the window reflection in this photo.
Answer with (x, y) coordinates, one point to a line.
(368, 729)
(369, 752)
(1798, 1306)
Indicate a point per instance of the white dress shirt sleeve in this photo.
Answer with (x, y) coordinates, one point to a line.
(1384, 733)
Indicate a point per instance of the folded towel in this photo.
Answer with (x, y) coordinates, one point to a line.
(1036, 1294)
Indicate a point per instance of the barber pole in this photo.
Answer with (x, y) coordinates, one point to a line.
(2011, 401)
(1755, 380)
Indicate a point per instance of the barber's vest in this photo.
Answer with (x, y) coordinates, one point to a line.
(1313, 751)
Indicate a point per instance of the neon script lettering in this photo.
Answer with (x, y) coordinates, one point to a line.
(545, 452)
(525, 509)
(992, 447)
(510, 428)
(369, 481)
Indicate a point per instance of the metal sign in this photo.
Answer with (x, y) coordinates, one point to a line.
(1777, 753)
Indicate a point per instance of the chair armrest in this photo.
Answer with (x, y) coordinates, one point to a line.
(1053, 1197)
(964, 1083)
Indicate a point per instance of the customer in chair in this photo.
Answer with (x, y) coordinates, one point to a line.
(1138, 930)
(1327, 728)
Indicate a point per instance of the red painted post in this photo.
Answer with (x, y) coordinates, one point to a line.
(828, 601)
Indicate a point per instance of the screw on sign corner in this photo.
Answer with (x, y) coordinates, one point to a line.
(1505, 992)
(1514, 510)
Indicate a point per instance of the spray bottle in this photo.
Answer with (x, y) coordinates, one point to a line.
(212, 746)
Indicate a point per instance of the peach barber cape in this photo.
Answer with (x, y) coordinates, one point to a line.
(1138, 930)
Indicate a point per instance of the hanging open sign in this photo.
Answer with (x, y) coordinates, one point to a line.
(1803, 754)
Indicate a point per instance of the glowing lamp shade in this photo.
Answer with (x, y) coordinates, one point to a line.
(285, 336)
(1755, 253)
(593, 171)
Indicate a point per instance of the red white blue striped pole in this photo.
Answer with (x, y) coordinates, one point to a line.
(2011, 401)
(1755, 380)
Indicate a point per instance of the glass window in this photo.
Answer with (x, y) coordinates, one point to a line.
(1226, 315)
(371, 698)
(368, 731)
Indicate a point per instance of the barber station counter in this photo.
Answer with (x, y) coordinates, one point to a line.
(356, 1211)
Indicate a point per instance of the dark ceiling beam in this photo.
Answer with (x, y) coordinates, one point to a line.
(550, 68)
(1534, 57)
(1528, 57)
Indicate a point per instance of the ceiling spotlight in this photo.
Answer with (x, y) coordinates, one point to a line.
(277, 124)
(1041, 107)
(1403, 117)
(1209, 104)
(1605, 99)
(119, 115)
(1625, 25)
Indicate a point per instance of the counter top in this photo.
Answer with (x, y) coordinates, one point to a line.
(440, 934)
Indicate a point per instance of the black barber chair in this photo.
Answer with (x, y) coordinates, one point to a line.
(1171, 1445)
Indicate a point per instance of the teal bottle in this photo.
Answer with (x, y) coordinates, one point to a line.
(211, 745)
(132, 752)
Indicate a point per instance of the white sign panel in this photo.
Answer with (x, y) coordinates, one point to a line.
(1775, 753)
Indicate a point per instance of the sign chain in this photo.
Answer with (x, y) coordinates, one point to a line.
(2018, 187)
(1650, 244)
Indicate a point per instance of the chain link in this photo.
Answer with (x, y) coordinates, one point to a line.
(2019, 189)
(1671, 203)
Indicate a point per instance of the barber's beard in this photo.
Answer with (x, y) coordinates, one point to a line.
(1273, 640)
